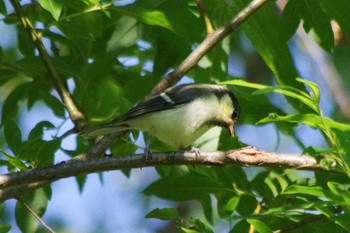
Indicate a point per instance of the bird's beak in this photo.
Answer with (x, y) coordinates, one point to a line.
(231, 129)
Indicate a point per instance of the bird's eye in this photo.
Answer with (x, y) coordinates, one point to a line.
(235, 115)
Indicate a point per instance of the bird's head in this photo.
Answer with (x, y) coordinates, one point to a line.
(228, 113)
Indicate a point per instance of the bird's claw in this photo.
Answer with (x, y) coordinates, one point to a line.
(196, 151)
(147, 154)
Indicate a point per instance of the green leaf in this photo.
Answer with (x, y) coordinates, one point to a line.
(343, 137)
(241, 226)
(38, 151)
(163, 214)
(196, 226)
(25, 44)
(52, 6)
(187, 230)
(316, 191)
(313, 120)
(290, 19)
(3, 10)
(13, 136)
(17, 163)
(176, 49)
(183, 188)
(285, 90)
(55, 105)
(291, 92)
(206, 203)
(5, 228)
(227, 204)
(263, 30)
(315, 90)
(243, 83)
(247, 205)
(316, 23)
(82, 27)
(259, 226)
(37, 202)
(316, 151)
(338, 10)
(10, 106)
(124, 34)
(340, 191)
(150, 17)
(38, 130)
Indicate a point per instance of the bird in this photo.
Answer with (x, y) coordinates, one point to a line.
(179, 115)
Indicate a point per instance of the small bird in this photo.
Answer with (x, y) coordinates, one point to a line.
(179, 115)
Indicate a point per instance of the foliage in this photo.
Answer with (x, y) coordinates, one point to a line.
(110, 54)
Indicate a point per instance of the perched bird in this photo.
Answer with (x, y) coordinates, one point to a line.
(179, 115)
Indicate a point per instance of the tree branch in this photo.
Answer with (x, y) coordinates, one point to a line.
(76, 116)
(15, 184)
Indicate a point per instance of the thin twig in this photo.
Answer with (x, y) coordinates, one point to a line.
(32, 212)
(247, 156)
(76, 116)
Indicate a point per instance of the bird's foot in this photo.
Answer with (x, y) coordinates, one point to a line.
(147, 154)
(196, 151)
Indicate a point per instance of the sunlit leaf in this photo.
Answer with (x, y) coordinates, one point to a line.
(15, 162)
(313, 120)
(52, 6)
(340, 191)
(315, 90)
(285, 90)
(151, 17)
(124, 34)
(259, 226)
(309, 190)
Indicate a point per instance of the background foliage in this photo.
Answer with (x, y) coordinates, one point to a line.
(110, 54)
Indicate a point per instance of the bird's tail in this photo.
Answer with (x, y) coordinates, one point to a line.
(103, 130)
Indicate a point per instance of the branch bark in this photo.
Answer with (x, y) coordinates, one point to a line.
(15, 184)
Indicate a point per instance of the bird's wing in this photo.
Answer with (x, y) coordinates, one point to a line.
(169, 99)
